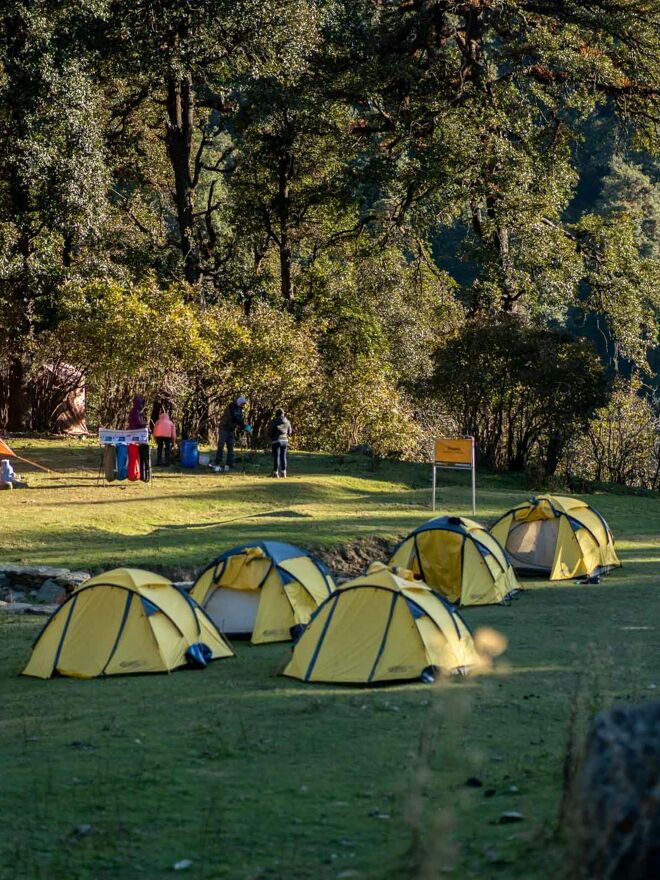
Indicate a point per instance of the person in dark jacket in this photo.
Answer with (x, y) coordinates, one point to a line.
(232, 418)
(136, 417)
(280, 431)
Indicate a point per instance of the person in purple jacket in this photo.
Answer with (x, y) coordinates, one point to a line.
(136, 417)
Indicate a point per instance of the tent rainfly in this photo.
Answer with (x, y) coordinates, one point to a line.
(5, 451)
(556, 537)
(266, 589)
(460, 559)
(123, 621)
(384, 626)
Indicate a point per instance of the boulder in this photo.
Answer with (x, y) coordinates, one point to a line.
(26, 608)
(72, 579)
(50, 592)
(617, 807)
(32, 577)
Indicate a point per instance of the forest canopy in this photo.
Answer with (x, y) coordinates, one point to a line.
(394, 218)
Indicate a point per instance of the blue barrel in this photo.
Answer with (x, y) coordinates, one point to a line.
(189, 453)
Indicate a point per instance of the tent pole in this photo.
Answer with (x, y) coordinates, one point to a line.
(474, 481)
(34, 464)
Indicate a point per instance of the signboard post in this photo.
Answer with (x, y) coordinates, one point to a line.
(455, 453)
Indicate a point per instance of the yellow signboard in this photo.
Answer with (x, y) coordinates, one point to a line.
(454, 450)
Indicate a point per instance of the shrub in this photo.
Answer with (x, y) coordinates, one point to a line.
(521, 392)
(622, 441)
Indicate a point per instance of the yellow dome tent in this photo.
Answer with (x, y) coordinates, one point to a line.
(125, 620)
(264, 589)
(558, 537)
(383, 626)
(460, 559)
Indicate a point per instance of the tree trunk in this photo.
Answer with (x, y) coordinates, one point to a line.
(180, 121)
(553, 453)
(285, 170)
(18, 406)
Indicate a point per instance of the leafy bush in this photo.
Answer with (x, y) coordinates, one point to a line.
(521, 392)
(622, 442)
(125, 339)
(130, 339)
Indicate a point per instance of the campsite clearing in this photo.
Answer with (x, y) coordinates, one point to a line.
(253, 776)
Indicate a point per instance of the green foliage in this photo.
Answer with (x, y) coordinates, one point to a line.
(361, 406)
(629, 188)
(623, 286)
(125, 340)
(147, 339)
(622, 441)
(271, 190)
(523, 394)
(274, 363)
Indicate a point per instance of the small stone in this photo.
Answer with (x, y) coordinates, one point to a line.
(81, 831)
(473, 782)
(510, 816)
(183, 865)
(493, 856)
(514, 789)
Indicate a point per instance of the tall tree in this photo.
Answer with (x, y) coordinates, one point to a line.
(475, 108)
(52, 174)
(185, 66)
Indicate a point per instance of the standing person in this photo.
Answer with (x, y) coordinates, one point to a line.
(280, 431)
(165, 435)
(136, 417)
(232, 418)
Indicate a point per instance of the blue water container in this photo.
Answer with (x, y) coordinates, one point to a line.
(189, 453)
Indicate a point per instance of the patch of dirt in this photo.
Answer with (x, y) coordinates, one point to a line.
(344, 561)
(351, 560)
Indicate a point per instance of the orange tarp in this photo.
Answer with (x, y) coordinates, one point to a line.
(5, 450)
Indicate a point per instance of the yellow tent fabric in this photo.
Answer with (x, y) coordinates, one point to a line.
(264, 589)
(382, 627)
(556, 536)
(460, 559)
(126, 620)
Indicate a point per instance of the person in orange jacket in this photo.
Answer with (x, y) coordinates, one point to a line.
(165, 435)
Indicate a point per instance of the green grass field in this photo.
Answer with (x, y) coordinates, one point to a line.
(253, 776)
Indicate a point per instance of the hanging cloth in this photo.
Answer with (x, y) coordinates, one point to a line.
(122, 461)
(145, 462)
(109, 463)
(133, 462)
